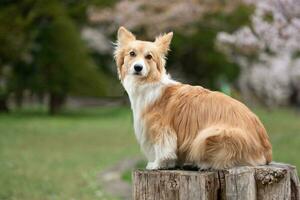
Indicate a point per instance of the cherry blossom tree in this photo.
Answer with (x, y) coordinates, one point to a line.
(193, 57)
(268, 52)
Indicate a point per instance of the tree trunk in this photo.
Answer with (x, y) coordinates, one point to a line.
(3, 105)
(56, 102)
(270, 182)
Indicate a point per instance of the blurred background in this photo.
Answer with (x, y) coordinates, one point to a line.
(65, 123)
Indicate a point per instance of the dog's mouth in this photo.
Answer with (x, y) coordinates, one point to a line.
(137, 73)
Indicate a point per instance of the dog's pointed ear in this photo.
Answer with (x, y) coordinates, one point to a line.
(163, 42)
(124, 36)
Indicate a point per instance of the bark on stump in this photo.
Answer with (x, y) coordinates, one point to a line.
(276, 181)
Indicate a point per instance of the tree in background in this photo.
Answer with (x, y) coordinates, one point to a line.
(268, 52)
(196, 24)
(64, 62)
(44, 54)
(15, 46)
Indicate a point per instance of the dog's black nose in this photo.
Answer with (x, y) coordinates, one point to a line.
(138, 68)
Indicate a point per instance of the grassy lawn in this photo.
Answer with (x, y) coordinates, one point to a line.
(43, 157)
(283, 127)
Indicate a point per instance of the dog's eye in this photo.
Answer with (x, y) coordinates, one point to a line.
(132, 54)
(148, 57)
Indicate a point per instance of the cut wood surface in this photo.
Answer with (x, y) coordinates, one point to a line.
(276, 181)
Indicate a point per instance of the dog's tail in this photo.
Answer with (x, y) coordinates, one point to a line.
(226, 147)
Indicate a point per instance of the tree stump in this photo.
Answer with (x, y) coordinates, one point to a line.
(276, 181)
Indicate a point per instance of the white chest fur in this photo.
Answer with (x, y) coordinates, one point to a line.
(140, 97)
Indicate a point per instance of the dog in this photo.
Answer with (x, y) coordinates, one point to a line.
(177, 123)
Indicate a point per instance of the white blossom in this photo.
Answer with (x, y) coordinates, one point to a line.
(267, 51)
(96, 40)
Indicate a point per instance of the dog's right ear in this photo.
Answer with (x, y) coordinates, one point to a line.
(124, 36)
(119, 58)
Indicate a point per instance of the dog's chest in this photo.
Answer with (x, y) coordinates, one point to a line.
(139, 105)
(141, 96)
(139, 128)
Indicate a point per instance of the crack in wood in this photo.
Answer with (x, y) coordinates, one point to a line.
(274, 181)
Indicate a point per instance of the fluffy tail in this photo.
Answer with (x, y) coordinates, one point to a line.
(219, 148)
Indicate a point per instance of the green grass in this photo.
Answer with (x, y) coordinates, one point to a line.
(43, 157)
(127, 175)
(283, 126)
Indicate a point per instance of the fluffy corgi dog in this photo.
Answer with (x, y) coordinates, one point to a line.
(176, 123)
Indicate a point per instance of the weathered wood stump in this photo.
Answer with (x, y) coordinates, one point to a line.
(275, 181)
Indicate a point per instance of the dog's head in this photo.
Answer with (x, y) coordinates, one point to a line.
(143, 60)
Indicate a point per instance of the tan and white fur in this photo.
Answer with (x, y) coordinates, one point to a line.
(177, 123)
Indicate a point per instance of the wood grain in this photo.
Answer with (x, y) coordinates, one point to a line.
(274, 181)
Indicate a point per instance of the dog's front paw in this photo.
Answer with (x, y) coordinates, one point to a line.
(166, 164)
(152, 166)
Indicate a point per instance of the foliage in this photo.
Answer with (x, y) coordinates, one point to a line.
(42, 47)
(15, 45)
(64, 59)
(267, 51)
(195, 55)
(196, 24)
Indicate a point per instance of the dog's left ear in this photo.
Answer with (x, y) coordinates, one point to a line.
(163, 42)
